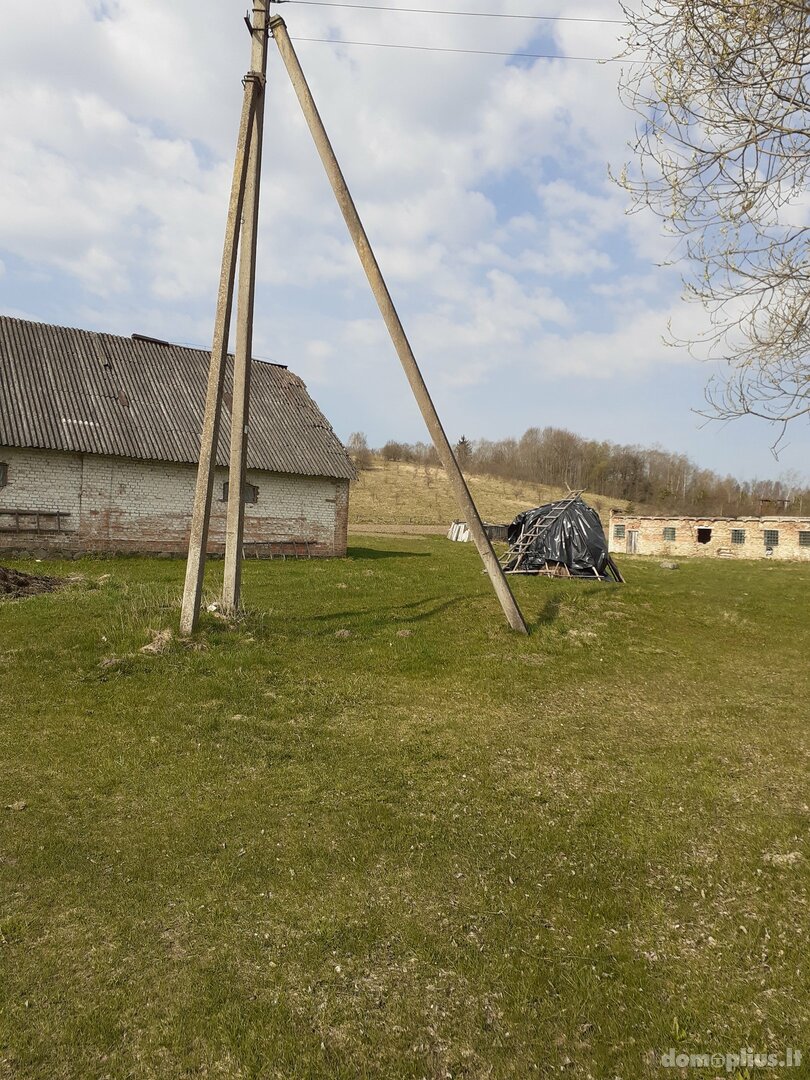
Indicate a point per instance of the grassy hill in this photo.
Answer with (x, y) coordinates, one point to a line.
(396, 493)
(365, 831)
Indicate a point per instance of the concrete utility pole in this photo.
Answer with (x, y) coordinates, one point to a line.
(511, 610)
(240, 409)
(244, 207)
(201, 516)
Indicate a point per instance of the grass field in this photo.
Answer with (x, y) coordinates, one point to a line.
(366, 831)
(398, 493)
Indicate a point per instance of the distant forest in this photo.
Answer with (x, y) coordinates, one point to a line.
(652, 479)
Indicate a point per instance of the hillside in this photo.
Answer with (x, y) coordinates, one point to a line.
(398, 493)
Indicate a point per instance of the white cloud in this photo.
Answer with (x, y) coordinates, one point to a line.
(631, 348)
(482, 183)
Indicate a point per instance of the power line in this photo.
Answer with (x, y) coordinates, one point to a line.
(469, 52)
(466, 14)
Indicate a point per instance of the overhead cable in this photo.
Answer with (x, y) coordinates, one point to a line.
(465, 14)
(468, 52)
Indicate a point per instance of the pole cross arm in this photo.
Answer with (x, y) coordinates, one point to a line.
(254, 77)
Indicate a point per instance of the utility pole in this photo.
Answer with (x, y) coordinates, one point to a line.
(396, 331)
(240, 409)
(209, 438)
(243, 208)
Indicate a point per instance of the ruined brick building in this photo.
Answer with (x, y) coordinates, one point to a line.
(99, 439)
(730, 538)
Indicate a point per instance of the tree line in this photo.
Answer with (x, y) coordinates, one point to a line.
(651, 479)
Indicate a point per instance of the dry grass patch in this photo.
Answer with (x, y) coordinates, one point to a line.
(398, 493)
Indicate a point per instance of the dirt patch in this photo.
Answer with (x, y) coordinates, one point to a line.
(161, 640)
(359, 529)
(14, 583)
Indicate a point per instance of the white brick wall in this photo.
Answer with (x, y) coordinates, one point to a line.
(121, 504)
(717, 539)
(41, 480)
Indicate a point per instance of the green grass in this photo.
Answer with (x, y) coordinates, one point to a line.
(397, 493)
(430, 848)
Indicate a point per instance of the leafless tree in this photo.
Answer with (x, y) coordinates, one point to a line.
(722, 154)
(359, 451)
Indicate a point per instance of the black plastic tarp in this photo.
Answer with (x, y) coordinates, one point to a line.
(570, 534)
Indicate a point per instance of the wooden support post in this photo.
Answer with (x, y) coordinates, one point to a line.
(395, 328)
(240, 409)
(201, 516)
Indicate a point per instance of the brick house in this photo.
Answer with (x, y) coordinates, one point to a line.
(99, 440)
(741, 538)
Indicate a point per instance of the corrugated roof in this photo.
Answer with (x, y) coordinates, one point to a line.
(63, 389)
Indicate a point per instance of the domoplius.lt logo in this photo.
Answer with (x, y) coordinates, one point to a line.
(730, 1062)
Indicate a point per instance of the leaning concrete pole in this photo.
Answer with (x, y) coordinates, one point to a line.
(395, 329)
(246, 290)
(201, 515)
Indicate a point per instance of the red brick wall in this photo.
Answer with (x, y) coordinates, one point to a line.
(341, 516)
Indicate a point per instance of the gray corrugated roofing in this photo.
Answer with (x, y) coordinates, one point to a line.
(63, 389)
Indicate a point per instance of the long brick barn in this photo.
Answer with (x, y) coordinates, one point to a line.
(723, 537)
(100, 436)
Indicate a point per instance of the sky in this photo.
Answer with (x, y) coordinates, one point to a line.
(530, 295)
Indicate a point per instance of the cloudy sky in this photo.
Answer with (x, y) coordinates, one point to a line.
(529, 295)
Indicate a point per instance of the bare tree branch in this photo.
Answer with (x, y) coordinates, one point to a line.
(722, 155)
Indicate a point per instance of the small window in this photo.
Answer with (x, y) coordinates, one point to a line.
(804, 539)
(738, 536)
(669, 534)
(4, 475)
(618, 532)
(251, 492)
(771, 537)
(704, 536)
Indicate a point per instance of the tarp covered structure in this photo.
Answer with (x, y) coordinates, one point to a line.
(560, 537)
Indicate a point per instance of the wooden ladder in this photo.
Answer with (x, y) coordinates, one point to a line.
(521, 547)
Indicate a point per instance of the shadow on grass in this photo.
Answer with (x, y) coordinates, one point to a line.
(399, 613)
(375, 553)
(548, 613)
